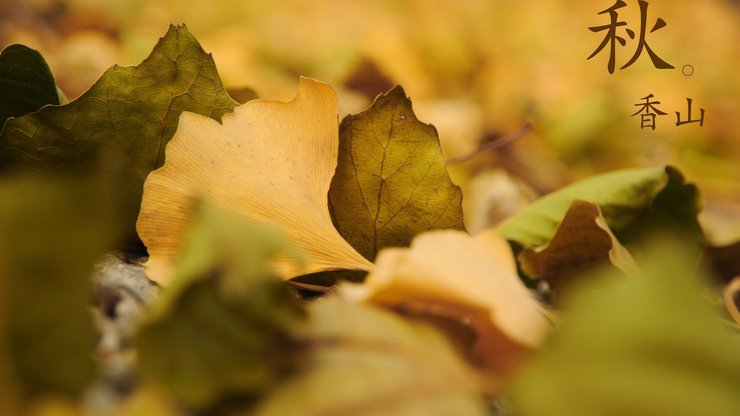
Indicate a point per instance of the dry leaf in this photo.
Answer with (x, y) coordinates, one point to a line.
(126, 118)
(583, 240)
(635, 203)
(272, 161)
(391, 182)
(474, 280)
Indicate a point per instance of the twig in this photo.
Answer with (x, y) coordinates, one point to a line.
(492, 145)
(310, 287)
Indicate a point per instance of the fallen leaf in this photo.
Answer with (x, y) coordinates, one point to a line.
(581, 241)
(225, 325)
(369, 361)
(271, 161)
(52, 232)
(644, 346)
(251, 342)
(472, 280)
(26, 82)
(131, 112)
(634, 202)
(391, 182)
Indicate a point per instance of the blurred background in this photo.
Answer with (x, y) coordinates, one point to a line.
(478, 70)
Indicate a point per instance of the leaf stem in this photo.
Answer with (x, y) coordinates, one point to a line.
(492, 145)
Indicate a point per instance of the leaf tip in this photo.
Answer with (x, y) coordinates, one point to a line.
(312, 87)
(397, 93)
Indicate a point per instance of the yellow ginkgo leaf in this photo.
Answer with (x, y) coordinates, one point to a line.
(472, 280)
(271, 161)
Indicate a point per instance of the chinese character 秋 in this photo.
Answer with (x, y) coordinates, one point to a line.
(689, 120)
(648, 107)
(612, 37)
(642, 43)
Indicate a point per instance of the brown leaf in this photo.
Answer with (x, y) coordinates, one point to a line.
(583, 240)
